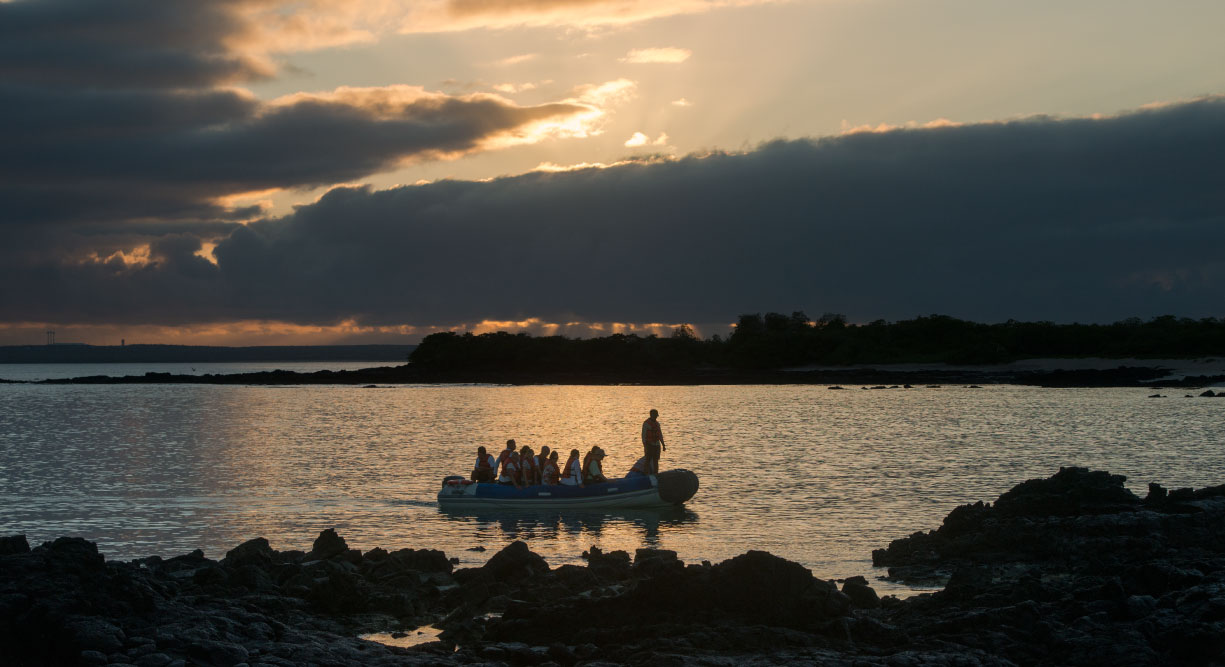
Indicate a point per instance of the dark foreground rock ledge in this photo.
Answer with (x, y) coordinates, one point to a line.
(1073, 569)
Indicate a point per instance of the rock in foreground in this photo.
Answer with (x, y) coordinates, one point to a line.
(1073, 569)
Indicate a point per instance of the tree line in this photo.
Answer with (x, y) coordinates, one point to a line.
(776, 340)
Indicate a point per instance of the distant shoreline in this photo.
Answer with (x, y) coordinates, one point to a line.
(71, 353)
(1104, 373)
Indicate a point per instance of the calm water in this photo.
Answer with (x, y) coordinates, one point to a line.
(34, 372)
(818, 476)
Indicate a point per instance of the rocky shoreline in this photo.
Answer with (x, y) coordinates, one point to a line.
(1072, 569)
(1155, 377)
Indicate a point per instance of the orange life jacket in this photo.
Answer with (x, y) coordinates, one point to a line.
(482, 463)
(528, 468)
(587, 464)
(570, 467)
(549, 472)
(510, 469)
(651, 432)
(640, 466)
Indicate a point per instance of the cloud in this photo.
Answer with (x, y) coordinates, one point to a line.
(512, 88)
(607, 94)
(515, 60)
(682, 102)
(1043, 218)
(847, 128)
(667, 55)
(123, 43)
(640, 139)
(452, 15)
(153, 43)
(79, 153)
(122, 134)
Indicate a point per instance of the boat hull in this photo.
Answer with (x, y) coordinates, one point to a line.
(664, 490)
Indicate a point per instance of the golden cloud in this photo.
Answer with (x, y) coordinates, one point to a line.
(665, 55)
(455, 15)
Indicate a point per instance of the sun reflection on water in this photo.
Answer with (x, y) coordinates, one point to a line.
(817, 476)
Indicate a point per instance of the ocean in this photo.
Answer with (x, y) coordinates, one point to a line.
(815, 475)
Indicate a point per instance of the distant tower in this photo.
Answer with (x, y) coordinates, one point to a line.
(50, 336)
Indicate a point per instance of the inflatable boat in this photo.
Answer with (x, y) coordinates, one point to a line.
(671, 487)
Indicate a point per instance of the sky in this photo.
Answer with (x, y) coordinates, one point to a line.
(266, 172)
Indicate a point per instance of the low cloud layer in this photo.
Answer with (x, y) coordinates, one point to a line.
(1077, 219)
(120, 128)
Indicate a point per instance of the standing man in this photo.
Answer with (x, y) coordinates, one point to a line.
(652, 442)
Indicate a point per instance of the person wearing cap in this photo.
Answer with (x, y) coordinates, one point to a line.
(592, 473)
(652, 441)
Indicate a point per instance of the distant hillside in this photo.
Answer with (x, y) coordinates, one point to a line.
(119, 354)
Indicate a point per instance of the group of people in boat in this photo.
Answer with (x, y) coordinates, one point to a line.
(522, 466)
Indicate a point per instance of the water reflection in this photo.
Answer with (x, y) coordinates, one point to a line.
(818, 477)
(642, 526)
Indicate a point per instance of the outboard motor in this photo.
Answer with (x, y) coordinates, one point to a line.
(677, 486)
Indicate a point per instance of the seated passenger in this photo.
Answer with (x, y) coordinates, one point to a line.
(485, 462)
(639, 468)
(574, 470)
(549, 472)
(528, 472)
(542, 457)
(504, 456)
(510, 471)
(592, 474)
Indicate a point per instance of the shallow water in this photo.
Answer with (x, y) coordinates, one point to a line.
(818, 476)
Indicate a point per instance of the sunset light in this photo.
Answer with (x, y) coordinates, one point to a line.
(608, 161)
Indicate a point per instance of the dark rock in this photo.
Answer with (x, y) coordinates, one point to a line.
(514, 560)
(94, 634)
(14, 544)
(153, 660)
(1071, 491)
(861, 594)
(93, 658)
(1208, 392)
(968, 582)
(774, 590)
(252, 552)
(422, 560)
(376, 555)
(339, 593)
(327, 545)
(614, 565)
(221, 654)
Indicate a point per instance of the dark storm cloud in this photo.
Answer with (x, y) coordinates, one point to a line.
(191, 147)
(1089, 220)
(114, 124)
(123, 43)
